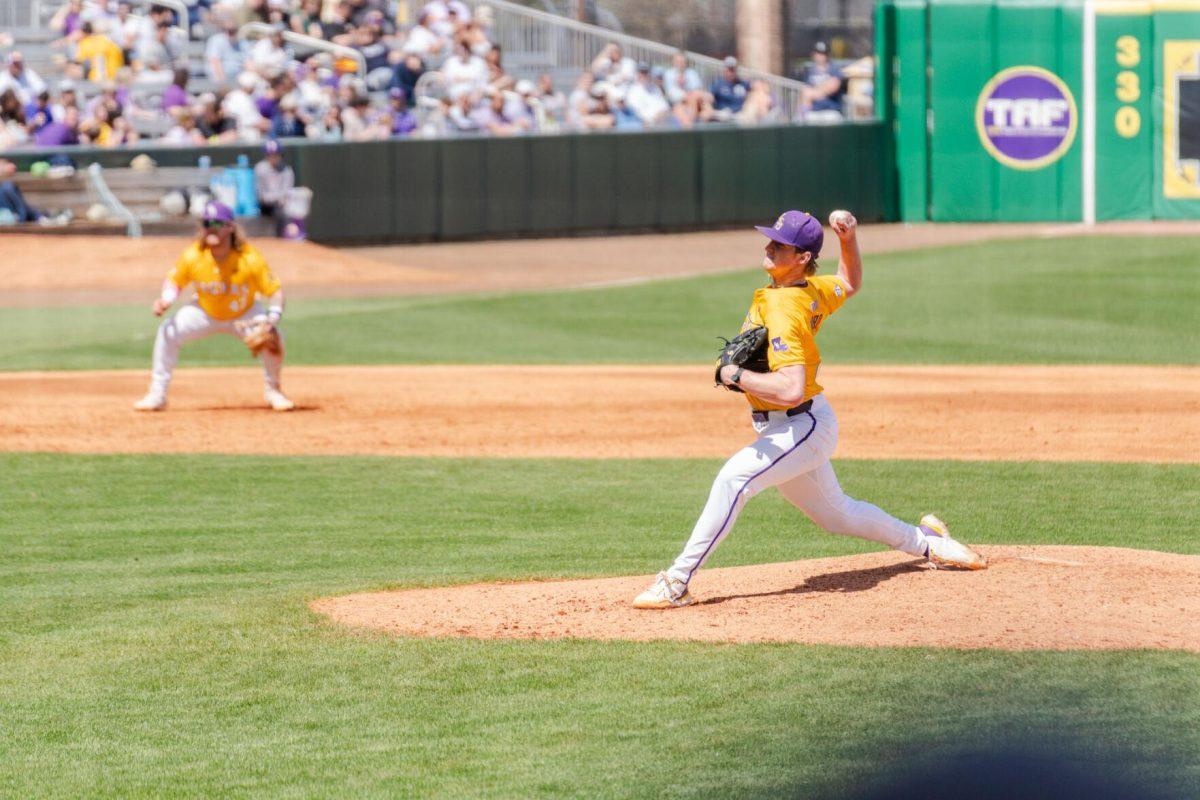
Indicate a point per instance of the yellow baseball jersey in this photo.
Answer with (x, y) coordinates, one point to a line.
(792, 316)
(224, 289)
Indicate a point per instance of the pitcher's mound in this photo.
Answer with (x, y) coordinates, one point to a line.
(1030, 598)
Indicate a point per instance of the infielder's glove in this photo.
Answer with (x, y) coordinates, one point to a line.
(260, 335)
(747, 350)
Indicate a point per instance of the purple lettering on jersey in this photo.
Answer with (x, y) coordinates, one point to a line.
(778, 345)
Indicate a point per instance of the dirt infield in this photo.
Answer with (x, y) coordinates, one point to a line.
(1030, 598)
(1057, 413)
(96, 270)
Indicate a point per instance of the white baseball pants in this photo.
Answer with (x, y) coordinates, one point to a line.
(793, 454)
(189, 323)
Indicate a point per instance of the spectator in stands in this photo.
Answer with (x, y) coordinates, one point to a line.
(62, 131)
(273, 179)
(613, 67)
(127, 30)
(680, 80)
(464, 72)
(362, 123)
(580, 101)
(107, 128)
(729, 90)
(598, 115)
(337, 20)
(22, 80)
(406, 75)
(646, 99)
(368, 40)
(161, 48)
(759, 106)
(490, 116)
(498, 77)
(223, 55)
(328, 127)
(184, 133)
(99, 55)
(422, 40)
(67, 98)
(253, 11)
(287, 124)
(473, 34)
(68, 19)
(825, 86)
(554, 104)
(695, 107)
(623, 116)
(308, 19)
(213, 125)
(240, 106)
(176, 95)
(13, 129)
(404, 122)
(38, 114)
(269, 55)
(446, 15)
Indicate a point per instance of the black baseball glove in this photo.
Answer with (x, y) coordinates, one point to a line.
(747, 350)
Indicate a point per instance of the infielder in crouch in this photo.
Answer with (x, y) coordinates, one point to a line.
(229, 275)
(797, 429)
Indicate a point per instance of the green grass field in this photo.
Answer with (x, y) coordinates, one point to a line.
(155, 638)
(1082, 300)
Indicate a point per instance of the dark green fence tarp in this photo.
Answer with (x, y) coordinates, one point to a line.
(561, 184)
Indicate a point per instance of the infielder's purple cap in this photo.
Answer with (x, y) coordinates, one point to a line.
(273, 146)
(796, 228)
(217, 212)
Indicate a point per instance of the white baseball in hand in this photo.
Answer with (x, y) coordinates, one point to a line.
(842, 222)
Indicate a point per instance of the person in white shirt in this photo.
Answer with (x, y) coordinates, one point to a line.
(239, 105)
(613, 67)
(422, 40)
(268, 55)
(464, 72)
(24, 82)
(646, 99)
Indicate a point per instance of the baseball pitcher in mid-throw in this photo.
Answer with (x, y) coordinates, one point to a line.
(797, 429)
(229, 276)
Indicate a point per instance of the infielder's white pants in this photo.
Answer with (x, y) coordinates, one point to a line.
(190, 323)
(793, 454)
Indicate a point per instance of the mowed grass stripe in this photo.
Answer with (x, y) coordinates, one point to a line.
(1071, 300)
(154, 638)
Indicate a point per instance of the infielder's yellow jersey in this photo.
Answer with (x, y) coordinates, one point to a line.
(793, 315)
(224, 289)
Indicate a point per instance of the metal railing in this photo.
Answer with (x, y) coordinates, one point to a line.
(539, 41)
(257, 30)
(20, 14)
(133, 227)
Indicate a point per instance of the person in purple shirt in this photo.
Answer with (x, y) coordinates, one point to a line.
(56, 133)
(404, 121)
(38, 113)
(176, 94)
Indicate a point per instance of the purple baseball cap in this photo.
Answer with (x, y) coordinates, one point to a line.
(273, 146)
(217, 212)
(797, 228)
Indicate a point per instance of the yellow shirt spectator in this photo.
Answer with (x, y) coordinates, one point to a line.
(101, 54)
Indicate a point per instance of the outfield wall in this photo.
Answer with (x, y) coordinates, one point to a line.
(1030, 110)
(552, 185)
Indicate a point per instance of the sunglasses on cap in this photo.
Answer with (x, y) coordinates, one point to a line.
(214, 224)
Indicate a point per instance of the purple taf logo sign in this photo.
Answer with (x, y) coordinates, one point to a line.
(1026, 117)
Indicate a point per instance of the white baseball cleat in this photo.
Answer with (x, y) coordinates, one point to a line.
(665, 592)
(151, 402)
(945, 551)
(278, 400)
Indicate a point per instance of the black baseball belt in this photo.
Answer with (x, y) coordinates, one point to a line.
(763, 416)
